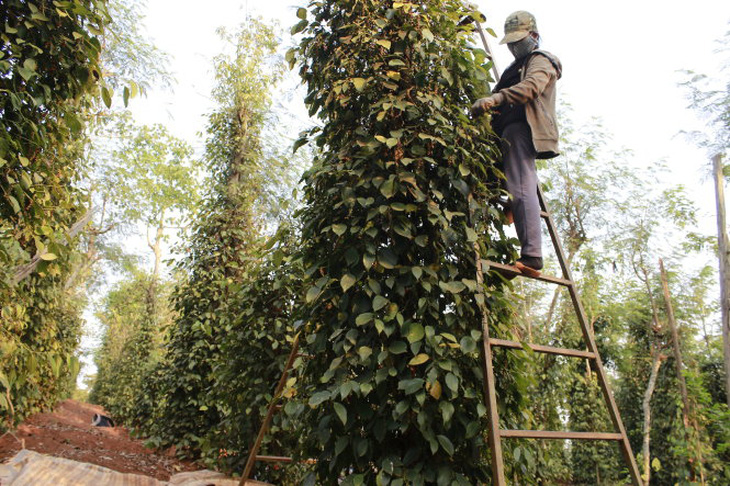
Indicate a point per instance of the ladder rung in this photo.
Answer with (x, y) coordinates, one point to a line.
(284, 459)
(556, 434)
(542, 349)
(514, 271)
(274, 459)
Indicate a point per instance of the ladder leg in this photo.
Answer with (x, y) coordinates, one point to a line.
(248, 469)
(490, 400)
(591, 344)
(490, 393)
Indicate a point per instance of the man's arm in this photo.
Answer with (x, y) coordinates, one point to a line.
(540, 71)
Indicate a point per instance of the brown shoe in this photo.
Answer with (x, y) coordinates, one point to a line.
(528, 270)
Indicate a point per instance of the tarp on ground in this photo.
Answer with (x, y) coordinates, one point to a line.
(29, 468)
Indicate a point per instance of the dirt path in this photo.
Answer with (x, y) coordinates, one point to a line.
(67, 432)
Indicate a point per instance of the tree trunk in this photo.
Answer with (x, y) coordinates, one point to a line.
(722, 243)
(156, 246)
(646, 408)
(679, 365)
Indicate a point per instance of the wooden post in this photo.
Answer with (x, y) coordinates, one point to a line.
(724, 264)
(687, 417)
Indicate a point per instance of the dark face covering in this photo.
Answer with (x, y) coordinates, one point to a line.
(523, 47)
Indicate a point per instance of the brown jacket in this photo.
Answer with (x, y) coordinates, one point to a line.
(537, 92)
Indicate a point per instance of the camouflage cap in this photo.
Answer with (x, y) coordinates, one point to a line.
(517, 26)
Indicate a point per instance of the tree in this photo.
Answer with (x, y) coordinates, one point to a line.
(224, 247)
(712, 102)
(393, 204)
(49, 77)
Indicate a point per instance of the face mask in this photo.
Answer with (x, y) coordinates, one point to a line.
(523, 47)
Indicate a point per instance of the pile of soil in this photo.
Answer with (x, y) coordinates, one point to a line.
(67, 432)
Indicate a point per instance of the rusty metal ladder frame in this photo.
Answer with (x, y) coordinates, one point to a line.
(253, 455)
(495, 433)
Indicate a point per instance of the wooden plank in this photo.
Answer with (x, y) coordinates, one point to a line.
(543, 349)
(512, 270)
(558, 434)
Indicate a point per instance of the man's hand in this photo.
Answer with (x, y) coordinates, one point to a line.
(483, 105)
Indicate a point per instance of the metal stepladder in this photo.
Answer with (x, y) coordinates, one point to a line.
(495, 433)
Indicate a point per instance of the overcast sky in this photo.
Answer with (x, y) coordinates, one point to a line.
(621, 63)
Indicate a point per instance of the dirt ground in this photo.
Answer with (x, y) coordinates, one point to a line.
(67, 432)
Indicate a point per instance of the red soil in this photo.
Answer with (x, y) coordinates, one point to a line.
(67, 432)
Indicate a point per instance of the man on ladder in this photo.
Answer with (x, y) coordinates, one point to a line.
(523, 106)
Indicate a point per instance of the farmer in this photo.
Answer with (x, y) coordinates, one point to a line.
(523, 115)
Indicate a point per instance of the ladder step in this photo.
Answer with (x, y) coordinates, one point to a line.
(284, 459)
(511, 270)
(274, 459)
(543, 349)
(556, 434)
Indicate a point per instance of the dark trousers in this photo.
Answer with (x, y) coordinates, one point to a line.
(519, 168)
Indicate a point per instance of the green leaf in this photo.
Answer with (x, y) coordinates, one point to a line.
(453, 287)
(364, 318)
(318, 398)
(387, 189)
(14, 203)
(347, 281)
(364, 352)
(302, 13)
(313, 293)
(446, 444)
(427, 34)
(452, 382)
(418, 359)
(414, 332)
(384, 43)
(106, 95)
(341, 412)
(447, 410)
(367, 261)
(468, 344)
(398, 347)
(339, 229)
(471, 235)
(300, 26)
(48, 256)
(411, 386)
(379, 302)
(387, 259)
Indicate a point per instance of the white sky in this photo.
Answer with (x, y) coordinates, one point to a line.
(621, 61)
(620, 58)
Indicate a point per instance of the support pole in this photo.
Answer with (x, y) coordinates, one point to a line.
(724, 264)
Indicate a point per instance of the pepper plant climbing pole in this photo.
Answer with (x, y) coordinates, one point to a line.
(392, 325)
